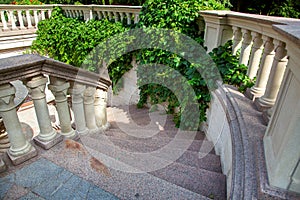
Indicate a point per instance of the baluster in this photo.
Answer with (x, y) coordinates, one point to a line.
(104, 14)
(128, 15)
(275, 78)
(77, 91)
(109, 15)
(12, 20)
(28, 16)
(91, 14)
(121, 16)
(237, 39)
(43, 14)
(136, 18)
(20, 149)
(89, 110)
(264, 69)
(36, 19)
(255, 56)
(49, 13)
(59, 88)
(47, 137)
(4, 22)
(246, 47)
(116, 16)
(100, 109)
(99, 15)
(21, 19)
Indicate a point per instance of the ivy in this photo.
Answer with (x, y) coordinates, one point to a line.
(181, 16)
(231, 71)
(71, 41)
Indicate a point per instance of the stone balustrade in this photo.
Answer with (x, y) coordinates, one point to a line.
(18, 23)
(23, 17)
(270, 47)
(63, 80)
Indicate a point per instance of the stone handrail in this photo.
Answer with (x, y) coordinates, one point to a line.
(88, 91)
(22, 17)
(270, 47)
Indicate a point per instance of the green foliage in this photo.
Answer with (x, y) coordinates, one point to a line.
(231, 71)
(71, 41)
(180, 16)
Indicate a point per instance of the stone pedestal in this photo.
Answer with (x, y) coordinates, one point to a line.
(59, 88)
(47, 137)
(20, 149)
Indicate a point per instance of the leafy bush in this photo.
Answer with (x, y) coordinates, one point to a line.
(180, 16)
(231, 71)
(71, 40)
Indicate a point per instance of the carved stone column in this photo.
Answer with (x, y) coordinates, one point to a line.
(77, 91)
(20, 149)
(255, 56)
(89, 110)
(276, 76)
(100, 109)
(246, 47)
(264, 69)
(237, 39)
(47, 137)
(59, 88)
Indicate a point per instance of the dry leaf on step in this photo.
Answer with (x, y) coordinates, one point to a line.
(99, 166)
(73, 145)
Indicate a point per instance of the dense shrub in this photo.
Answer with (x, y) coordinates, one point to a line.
(71, 40)
(231, 71)
(180, 16)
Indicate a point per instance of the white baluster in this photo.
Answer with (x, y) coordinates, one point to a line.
(136, 18)
(4, 22)
(43, 14)
(128, 15)
(36, 19)
(21, 19)
(121, 16)
(47, 137)
(237, 39)
(12, 20)
(255, 56)
(276, 76)
(109, 15)
(104, 14)
(59, 88)
(100, 109)
(91, 14)
(264, 69)
(20, 149)
(89, 110)
(116, 16)
(28, 16)
(246, 47)
(77, 91)
(49, 13)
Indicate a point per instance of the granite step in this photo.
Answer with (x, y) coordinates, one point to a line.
(154, 143)
(204, 182)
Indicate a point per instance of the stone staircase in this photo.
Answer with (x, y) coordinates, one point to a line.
(197, 175)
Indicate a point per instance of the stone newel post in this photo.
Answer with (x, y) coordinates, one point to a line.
(20, 149)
